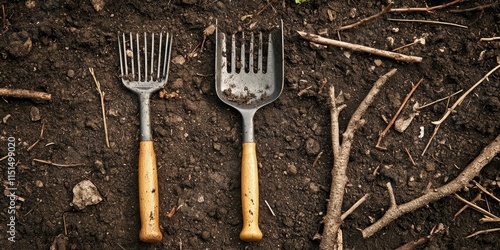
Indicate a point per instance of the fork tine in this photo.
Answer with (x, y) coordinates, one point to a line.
(138, 49)
(159, 57)
(145, 58)
(166, 57)
(233, 53)
(121, 55)
(242, 58)
(259, 55)
(152, 54)
(132, 52)
(223, 52)
(125, 55)
(270, 53)
(250, 56)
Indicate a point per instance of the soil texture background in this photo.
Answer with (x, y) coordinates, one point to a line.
(48, 46)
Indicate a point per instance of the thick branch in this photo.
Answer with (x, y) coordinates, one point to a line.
(472, 170)
(333, 218)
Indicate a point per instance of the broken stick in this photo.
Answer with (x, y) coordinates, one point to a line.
(382, 134)
(333, 217)
(364, 20)
(357, 47)
(24, 93)
(103, 110)
(471, 171)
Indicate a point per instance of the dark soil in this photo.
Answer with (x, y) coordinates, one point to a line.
(50, 47)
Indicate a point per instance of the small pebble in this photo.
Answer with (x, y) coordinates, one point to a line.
(39, 183)
(201, 199)
(312, 147)
(205, 235)
(35, 114)
(71, 73)
(313, 187)
(291, 169)
(179, 60)
(178, 83)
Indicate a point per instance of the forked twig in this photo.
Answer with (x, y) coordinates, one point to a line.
(103, 110)
(389, 125)
(472, 170)
(333, 218)
(364, 20)
(357, 47)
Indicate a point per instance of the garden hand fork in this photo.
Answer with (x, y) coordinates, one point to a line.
(146, 75)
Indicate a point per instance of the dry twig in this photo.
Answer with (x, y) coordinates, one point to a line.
(333, 217)
(101, 95)
(439, 100)
(353, 207)
(472, 170)
(24, 93)
(483, 232)
(485, 191)
(357, 47)
(427, 21)
(461, 99)
(476, 207)
(413, 244)
(488, 219)
(39, 137)
(481, 7)
(389, 125)
(57, 164)
(477, 198)
(426, 9)
(364, 20)
(489, 39)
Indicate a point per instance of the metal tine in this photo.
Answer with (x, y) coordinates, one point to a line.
(242, 58)
(152, 54)
(159, 57)
(250, 56)
(138, 57)
(259, 55)
(223, 62)
(233, 53)
(270, 53)
(145, 58)
(121, 55)
(125, 55)
(132, 52)
(168, 49)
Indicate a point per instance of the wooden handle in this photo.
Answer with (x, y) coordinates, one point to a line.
(148, 194)
(250, 194)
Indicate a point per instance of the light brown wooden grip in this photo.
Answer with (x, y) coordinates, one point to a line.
(250, 194)
(148, 194)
